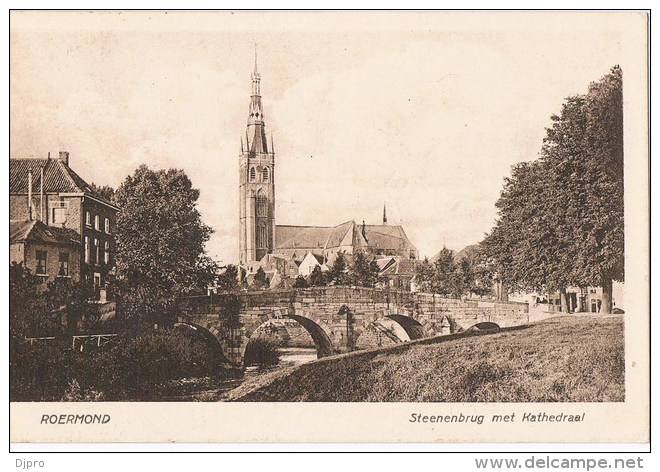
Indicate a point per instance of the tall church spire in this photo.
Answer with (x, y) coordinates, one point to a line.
(384, 215)
(256, 128)
(256, 182)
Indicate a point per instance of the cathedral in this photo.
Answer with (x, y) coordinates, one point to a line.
(261, 240)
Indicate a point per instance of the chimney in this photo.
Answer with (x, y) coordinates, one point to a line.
(29, 195)
(64, 158)
(41, 195)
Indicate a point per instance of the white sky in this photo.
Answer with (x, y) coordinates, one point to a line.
(426, 112)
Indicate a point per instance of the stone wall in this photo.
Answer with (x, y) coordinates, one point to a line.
(336, 317)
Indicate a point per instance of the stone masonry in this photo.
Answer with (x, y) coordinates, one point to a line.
(336, 316)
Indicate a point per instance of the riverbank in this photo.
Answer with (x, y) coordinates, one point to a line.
(562, 359)
(208, 389)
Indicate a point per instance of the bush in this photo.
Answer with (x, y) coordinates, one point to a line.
(132, 368)
(262, 351)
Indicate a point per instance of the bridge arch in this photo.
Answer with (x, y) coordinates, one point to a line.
(317, 329)
(483, 326)
(413, 328)
(204, 334)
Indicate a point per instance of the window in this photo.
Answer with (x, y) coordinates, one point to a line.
(41, 263)
(265, 174)
(262, 204)
(88, 219)
(63, 271)
(87, 249)
(261, 237)
(97, 259)
(107, 225)
(106, 253)
(97, 223)
(59, 213)
(253, 174)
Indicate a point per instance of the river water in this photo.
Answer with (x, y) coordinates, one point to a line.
(289, 356)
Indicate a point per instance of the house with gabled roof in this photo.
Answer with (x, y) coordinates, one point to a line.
(50, 192)
(48, 252)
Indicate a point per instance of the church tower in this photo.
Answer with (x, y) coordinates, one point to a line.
(256, 182)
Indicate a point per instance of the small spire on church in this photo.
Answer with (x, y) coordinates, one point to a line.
(384, 214)
(272, 146)
(242, 145)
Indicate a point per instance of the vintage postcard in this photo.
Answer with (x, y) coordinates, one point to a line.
(325, 226)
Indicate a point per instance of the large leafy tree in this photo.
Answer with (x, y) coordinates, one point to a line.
(160, 244)
(424, 275)
(228, 280)
(600, 260)
(363, 272)
(317, 277)
(29, 314)
(444, 275)
(561, 217)
(260, 281)
(338, 273)
(104, 191)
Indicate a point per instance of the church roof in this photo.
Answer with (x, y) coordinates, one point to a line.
(338, 235)
(345, 234)
(305, 237)
(387, 237)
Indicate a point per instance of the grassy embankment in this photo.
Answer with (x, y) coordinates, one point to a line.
(562, 359)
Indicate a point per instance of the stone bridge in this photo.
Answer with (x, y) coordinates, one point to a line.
(336, 316)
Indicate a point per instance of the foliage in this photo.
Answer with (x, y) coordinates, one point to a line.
(106, 192)
(338, 273)
(133, 368)
(300, 282)
(424, 275)
(72, 300)
(444, 281)
(363, 272)
(29, 314)
(561, 217)
(455, 276)
(464, 277)
(231, 310)
(262, 351)
(74, 393)
(318, 278)
(260, 281)
(228, 280)
(160, 244)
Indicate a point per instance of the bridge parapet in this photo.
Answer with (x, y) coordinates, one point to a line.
(335, 316)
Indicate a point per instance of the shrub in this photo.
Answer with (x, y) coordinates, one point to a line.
(262, 351)
(131, 368)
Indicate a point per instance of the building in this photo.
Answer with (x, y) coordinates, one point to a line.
(48, 252)
(397, 272)
(256, 183)
(50, 192)
(260, 237)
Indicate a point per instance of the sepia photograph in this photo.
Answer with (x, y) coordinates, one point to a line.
(438, 220)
